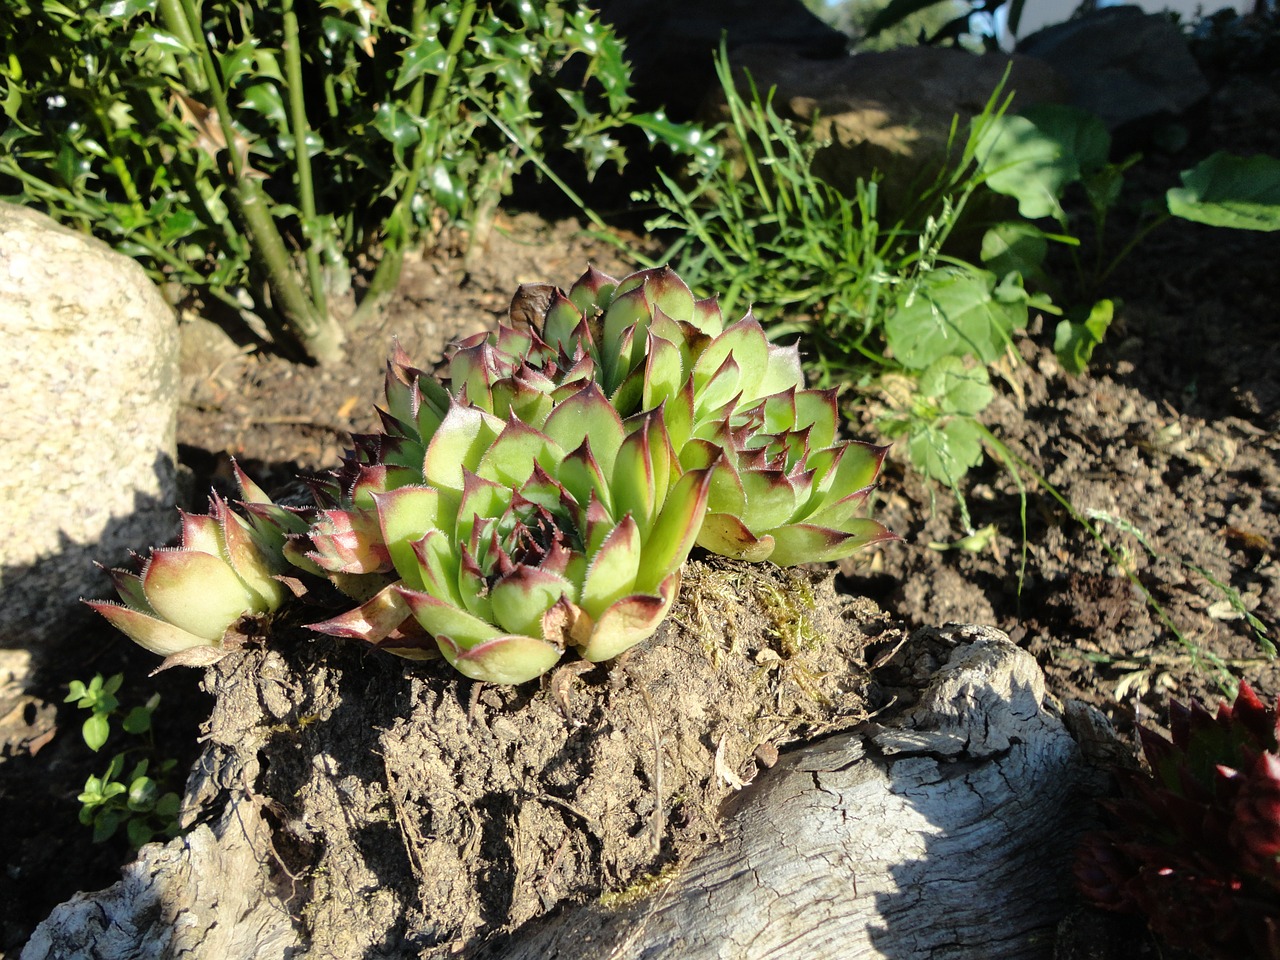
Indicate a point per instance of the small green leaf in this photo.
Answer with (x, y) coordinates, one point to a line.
(142, 794)
(957, 388)
(126, 9)
(96, 730)
(137, 720)
(139, 832)
(1015, 246)
(944, 451)
(1242, 193)
(1074, 341)
(105, 824)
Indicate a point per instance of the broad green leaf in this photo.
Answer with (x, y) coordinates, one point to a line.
(1242, 193)
(1033, 156)
(944, 451)
(1073, 341)
(951, 312)
(957, 388)
(1015, 246)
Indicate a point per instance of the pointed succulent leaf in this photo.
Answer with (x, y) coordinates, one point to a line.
(472, 370)
(404, 517)
(256, 568)
(630, 621)
(817, 410)
(745, 342)
(201, 533)
(372, 621)
(582, 477)
(462, 439)
(481, 499)
(520, 599)
(668, 293)
(197, 592)
(858, 467)
(727, 535)
(722, 390)
(348, 541)
(588, 415)
(707, 317)
(626, 323)
(677, 414)
(613, 568)
(593, 289)
(148, 632)
(511, 458)
(807, 543)
(505, 659)
(782, 371)
(632, 482)
(771, 498)
(129, 587)
(675, 531)
(441, 618)
(438, 562)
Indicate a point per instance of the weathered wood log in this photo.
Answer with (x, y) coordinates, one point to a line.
(944, 833)
(941, 830)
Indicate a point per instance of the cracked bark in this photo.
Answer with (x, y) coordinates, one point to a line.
(942, 831)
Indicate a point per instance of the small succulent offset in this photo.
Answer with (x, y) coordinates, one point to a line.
(544, 493)
(227, 568)
(1194, 846)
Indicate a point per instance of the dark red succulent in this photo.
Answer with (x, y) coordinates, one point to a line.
(1193, 845)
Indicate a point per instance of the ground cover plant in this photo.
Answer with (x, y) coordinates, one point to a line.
(1192, 844)
(272, 157)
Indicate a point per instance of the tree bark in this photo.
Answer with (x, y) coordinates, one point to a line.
(942, 830)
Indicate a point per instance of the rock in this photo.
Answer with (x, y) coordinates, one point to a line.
(941, 829)
(890, 112)
(1132, 69)
(87, 441)
(671, 43)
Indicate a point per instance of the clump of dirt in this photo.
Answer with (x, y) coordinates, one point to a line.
(417, 809)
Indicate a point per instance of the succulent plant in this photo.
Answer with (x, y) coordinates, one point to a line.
(225, 569)
(514, 543)
(1194, 846)
(785, 490)
(544, 493)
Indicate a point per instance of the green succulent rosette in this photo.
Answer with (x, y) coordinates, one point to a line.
(786, 488)
(515, 543)
(543, 493)
(225, 568)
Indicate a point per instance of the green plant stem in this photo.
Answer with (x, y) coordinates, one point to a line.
(1138, 237)
(175, 18)
(301, 130)
(398, 227)
(317, 333)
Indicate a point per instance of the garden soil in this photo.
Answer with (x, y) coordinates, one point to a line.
(1169, 446)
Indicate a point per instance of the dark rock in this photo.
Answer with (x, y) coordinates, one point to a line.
(1132, 69)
